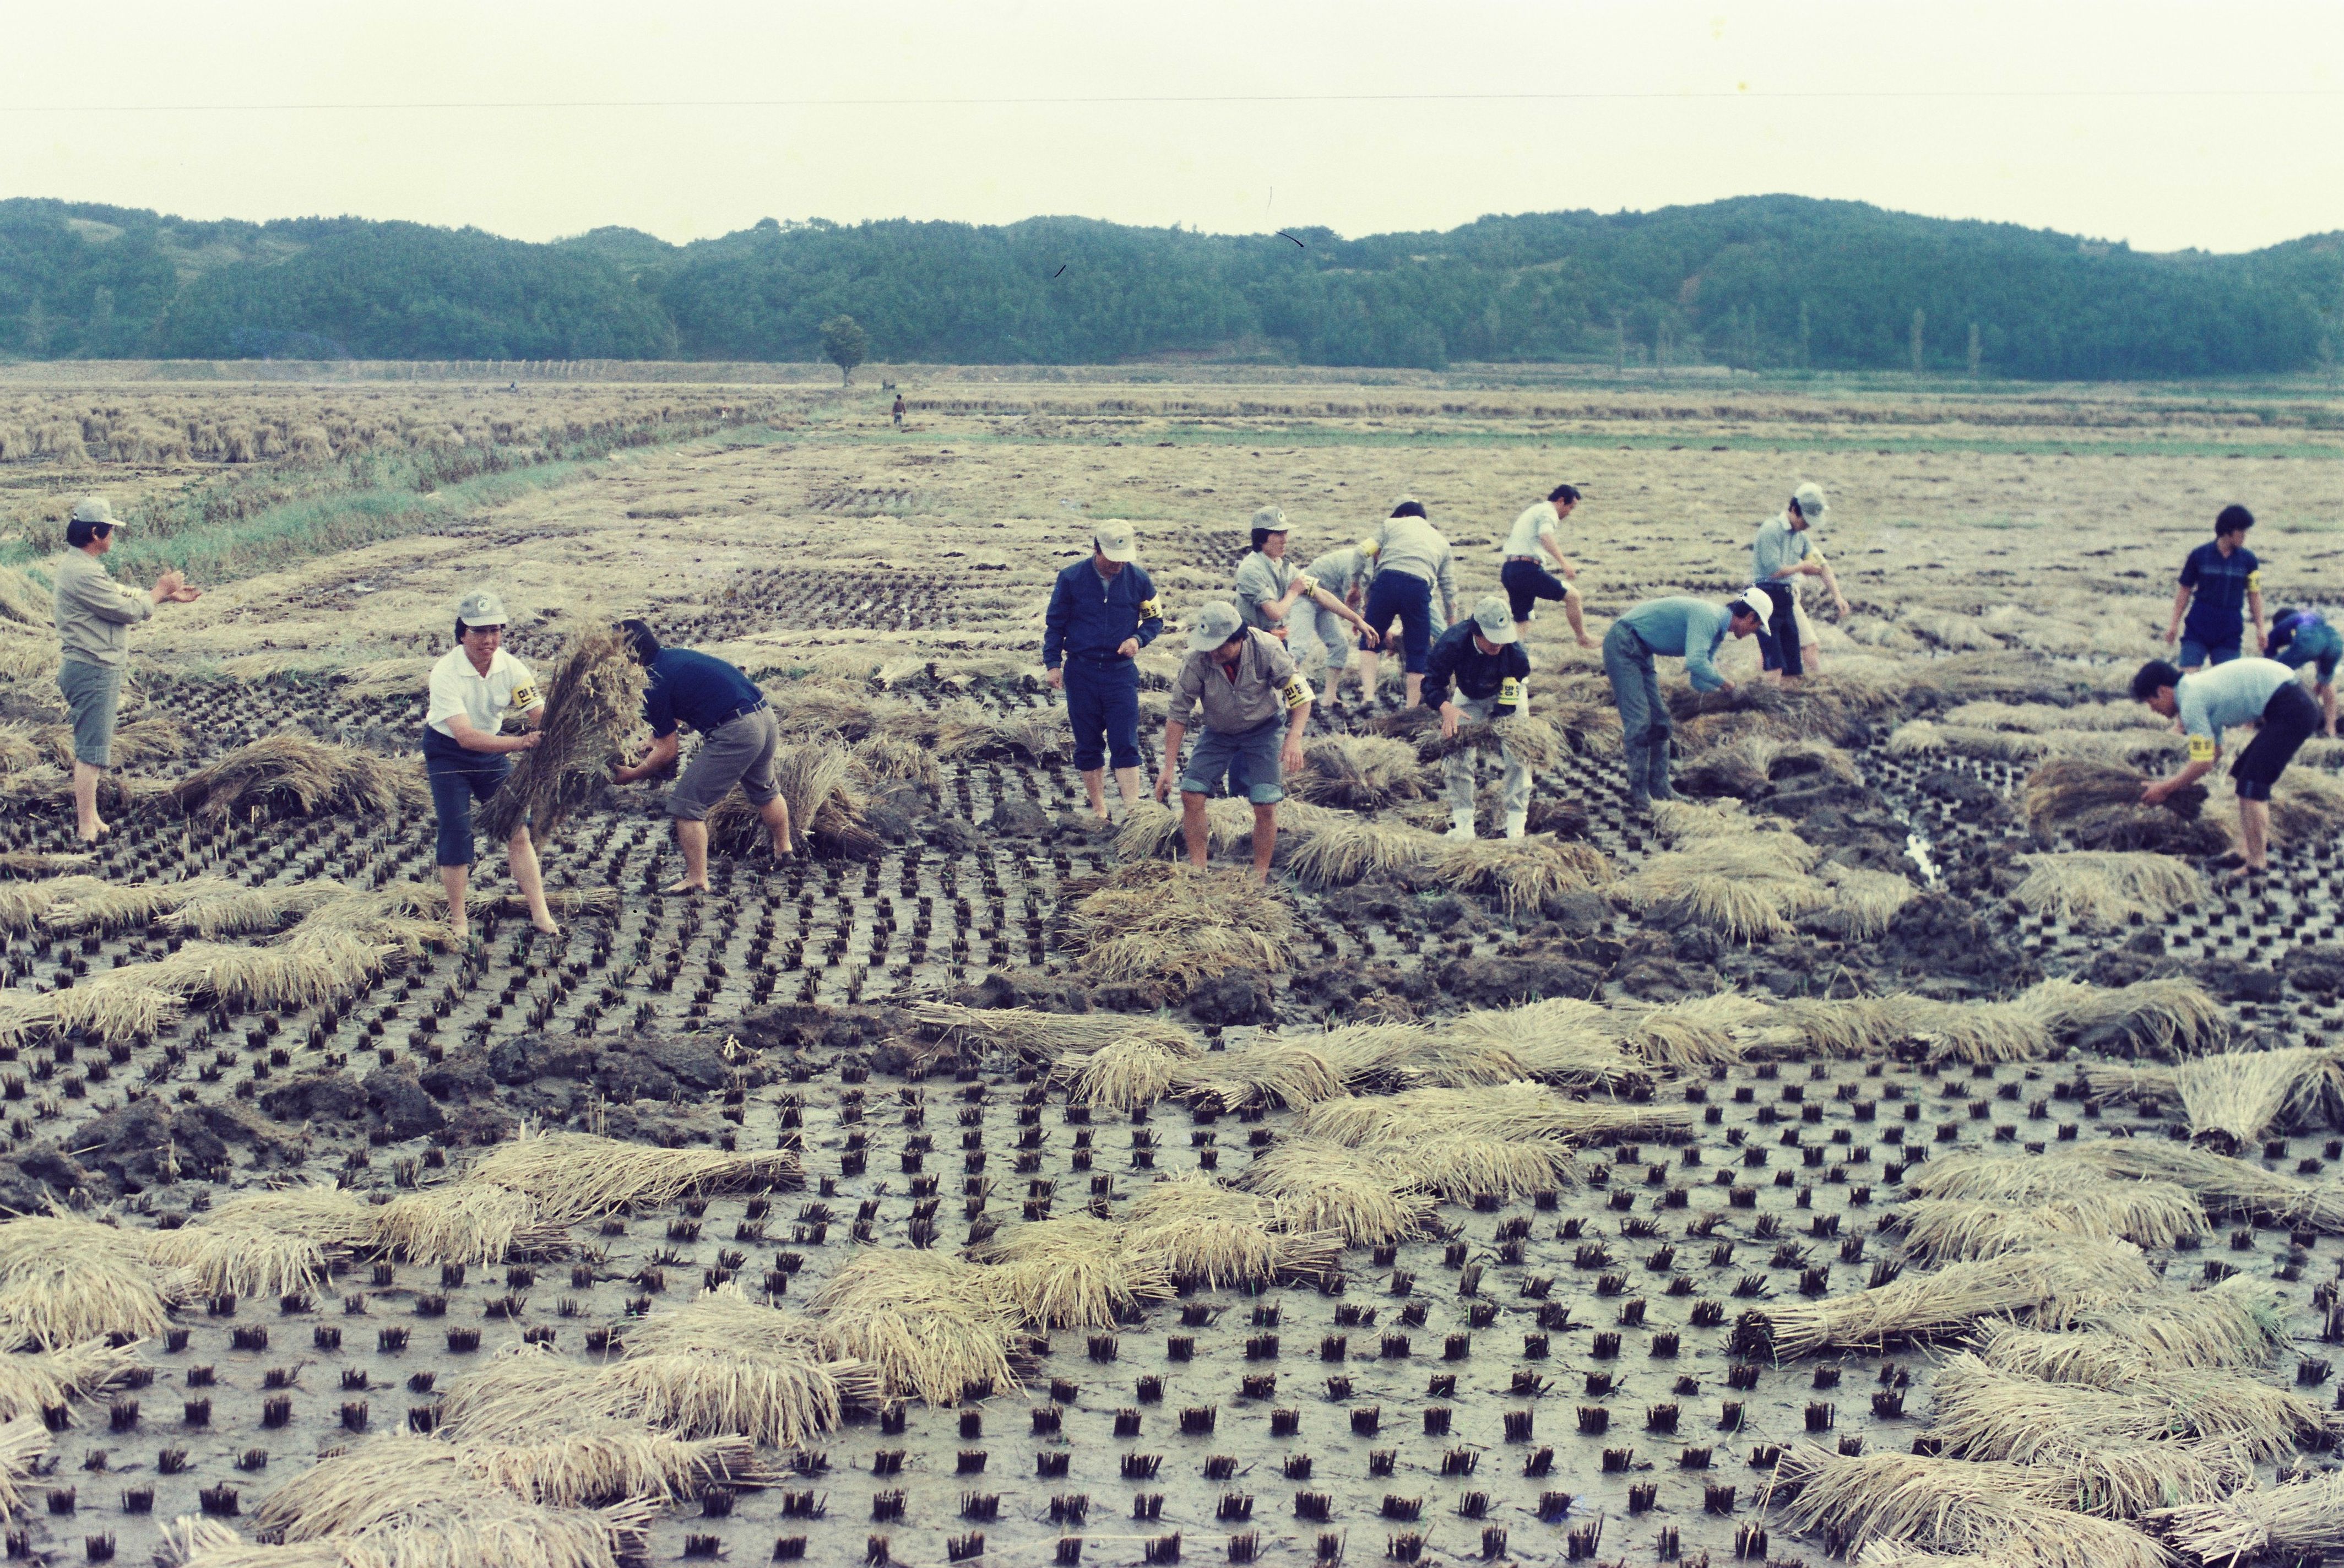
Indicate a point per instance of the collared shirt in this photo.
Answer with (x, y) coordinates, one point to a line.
(1412, 545)
(1090, 616)
(1536, 522)
(1778, 545)
(1260, 578)
(1266, 686)
(1692, 629)
(1341, 570)
(1457, 657)
(2221, 582)
(95, 612)
(2213, 699)
(458, 688)
(698, 691)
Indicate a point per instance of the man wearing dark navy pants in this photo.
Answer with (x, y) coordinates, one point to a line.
(1102, 614)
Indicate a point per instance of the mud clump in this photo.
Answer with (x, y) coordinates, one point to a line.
(145, 1143)
(1015, 817)
(1538, 970)
(1939, 937)
(1240, 996)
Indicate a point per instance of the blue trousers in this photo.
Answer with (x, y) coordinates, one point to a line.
(1103, 706)
(458, 778)
(1407, 598)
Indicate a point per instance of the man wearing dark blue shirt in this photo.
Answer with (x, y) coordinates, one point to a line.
(738, 738)
(1102, 614)
(2217, 581)
(1483, 657)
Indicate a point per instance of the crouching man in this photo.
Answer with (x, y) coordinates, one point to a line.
(1484, 657)
(2208, 701)
(1254, 705)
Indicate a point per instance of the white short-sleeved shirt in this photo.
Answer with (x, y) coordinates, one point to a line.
(458, 688)
(1536, 521)
(2211, 701)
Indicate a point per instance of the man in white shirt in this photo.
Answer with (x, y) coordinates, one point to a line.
(1526, 580)
(473, 687)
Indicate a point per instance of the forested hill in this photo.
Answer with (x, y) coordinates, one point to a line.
(1765, 281)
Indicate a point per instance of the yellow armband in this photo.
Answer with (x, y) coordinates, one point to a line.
(1309, 584)
(2254, 583)
(1148, 610)
(524, 698)
(1510, 692)
(2201, 748)
(1296, 692)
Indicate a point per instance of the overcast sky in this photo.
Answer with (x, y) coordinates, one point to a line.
(2168, 125)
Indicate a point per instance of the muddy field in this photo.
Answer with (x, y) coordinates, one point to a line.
(1584, 1319)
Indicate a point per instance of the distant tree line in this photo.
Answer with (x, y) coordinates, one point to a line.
(1762, 281)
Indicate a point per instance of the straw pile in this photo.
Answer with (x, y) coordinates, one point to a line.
(1520, 873)
(1270, 1075)
(2169, 1018)
(2148, 1213)
(2233, 1098)
(1323, 1186)
(927, 1324)
(1700, 1032)
(1073, 1273)
(2299, 1519)
(267, 1243)
(2053, 1283)
(33, 1381)
(1746, 888)
(2096, 806)
(573, 1176)
(1123, 1074)
(64, 1280)
(1744, 765)
(2240, 1322)
(1202, 1233)
(1342, 849)
(2104, 889)
(1515, 1112)
(2224, 1185)
(1358, 773)
(1984, 1411)
(1559, 1040)
(723, 1365)
(1174, 925)
(464, 1223)
(826, 811)
(293, 775)
(594, 701)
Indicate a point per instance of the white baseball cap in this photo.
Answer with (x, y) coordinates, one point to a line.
(481, 608)
(1115, 541)
(1754, 601)
(94, 509)
(1809, 497)
(1217, 623)
(1495, 617)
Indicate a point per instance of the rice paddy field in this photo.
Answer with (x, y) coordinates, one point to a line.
(1902, 1149)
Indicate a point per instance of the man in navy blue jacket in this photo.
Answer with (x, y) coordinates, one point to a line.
(1102, 614)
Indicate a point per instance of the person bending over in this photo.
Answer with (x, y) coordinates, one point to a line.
(2261, 692)
(738, 740)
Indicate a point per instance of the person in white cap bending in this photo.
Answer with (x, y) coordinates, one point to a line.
(1484, 657)
(1689, 629)
(1290, 605)
(1102, 614)
(1782, 553)
(467, 757)
(94, 614)
(1254, 705)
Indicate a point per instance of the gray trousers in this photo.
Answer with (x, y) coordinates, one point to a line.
(1459, 767)
(1319, 639)
(1643, 717)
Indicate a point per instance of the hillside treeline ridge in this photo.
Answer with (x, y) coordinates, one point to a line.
(1761, 282)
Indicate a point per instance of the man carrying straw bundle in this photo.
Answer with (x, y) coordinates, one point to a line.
(1689, 629)
(1243, 680)
(2208, 701)
(1102, 614)
(738, 738)
(2220, 581)
(1291, 606)
(474, 686)
(1526, 579)
(94, 614)
(1484, 657)
(1781, 554)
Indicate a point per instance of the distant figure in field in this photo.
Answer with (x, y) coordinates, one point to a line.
(1784, 553)
(2217, 581)
(899, 410)
(1413, 567)
(2300, 637)
(1526, 578)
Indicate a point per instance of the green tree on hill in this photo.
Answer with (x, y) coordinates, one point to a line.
(845, 345)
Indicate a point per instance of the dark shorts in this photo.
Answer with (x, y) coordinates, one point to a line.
(1778, 640)
(738, 751)
(458, 778)
(1247, 759)
(2197, 655)
(1407, 598)
(2289, 720)
(1103, 709)
(1526, 582)
(92, 692)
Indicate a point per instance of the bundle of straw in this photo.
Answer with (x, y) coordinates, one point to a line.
(826, 811)
(1205, 1234)
(1320, 1185)
(30, 863)
(594, 701)
(2300, 1519)
(34, 1382)
(1122, 1075)
(267, 1243)
(1984, 1411)
(2165, 1018)
(2096, 806)
(1342, 849)
(2240, 1322)
(573, 1175)
(1271, 1074)
(2224, 1185)
(64, 1280)
(1566, 1042)
(2104, 889)
(1522, 873)
(929, 1325)
(464, 1223)
(2149, 1213)
(1358, 773)
(1176, 926)
(23, 1440)
(1073, 1273)
(1700, 1032)
(292, 774)
(2233, 1098)
(1838, 1027)
(1746, 888)
(723, 1365)
(1520, 1112)
(2052, 1283)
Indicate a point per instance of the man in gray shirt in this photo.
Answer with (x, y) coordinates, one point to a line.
(2260, 692)
(1273, 597)
(1242, 681)
(94, 614)
(1415, 585)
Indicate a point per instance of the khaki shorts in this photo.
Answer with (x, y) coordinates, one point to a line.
(93, 693)
(739, 751)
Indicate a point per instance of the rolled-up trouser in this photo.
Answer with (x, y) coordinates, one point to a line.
(1459, 767)
(457, 778)
(1318, 638)
(1779, 640)
(92, 692)
(1103, 706)
(1636, 692)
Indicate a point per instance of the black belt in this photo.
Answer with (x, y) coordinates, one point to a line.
(1110, 657)
(742, 712)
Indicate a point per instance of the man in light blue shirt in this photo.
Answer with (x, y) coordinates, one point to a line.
(1782, 553)
(1677, 628)
(2260, 692)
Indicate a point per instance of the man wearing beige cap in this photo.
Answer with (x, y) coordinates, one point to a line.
(1782, 553)
(94, 614)
(1243, 680)
(1483, 657)
(1102, 614)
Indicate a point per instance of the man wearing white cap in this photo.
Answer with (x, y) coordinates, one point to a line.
(1484, 656)
(1243, 680)
(1782, 554)
(1102, 614)
(94, 614)
(1291, 606)
(1689, 629)
(467, 756)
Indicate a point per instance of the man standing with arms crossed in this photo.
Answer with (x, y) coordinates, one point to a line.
(2217, 581)
(1102, 614)
(1243, 680)
(94, 614)
(1782, 554)
(1526, 579)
